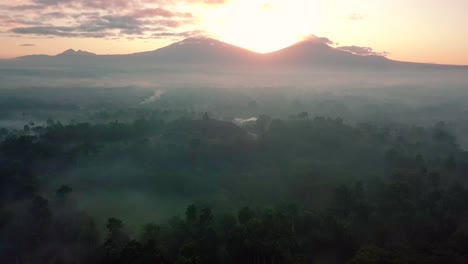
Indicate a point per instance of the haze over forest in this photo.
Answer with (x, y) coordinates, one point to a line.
(201, 151)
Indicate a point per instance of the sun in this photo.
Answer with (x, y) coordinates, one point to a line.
(260, 26)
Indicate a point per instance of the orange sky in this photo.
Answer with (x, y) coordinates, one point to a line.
(409, 30)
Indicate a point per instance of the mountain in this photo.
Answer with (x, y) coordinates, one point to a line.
(196, 62)
(66, 54)
(208, 54)
(202, 51)
(315, 53)
(72, 52)
(199, 51)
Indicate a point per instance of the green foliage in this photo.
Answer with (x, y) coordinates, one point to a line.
(362, 193)
(372, 255)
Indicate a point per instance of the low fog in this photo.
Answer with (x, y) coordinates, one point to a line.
(93, 141)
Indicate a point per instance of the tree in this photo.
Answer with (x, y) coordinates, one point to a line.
(3, 132)
(303, 115)
(191, 213)
(195, 144)
(63, 192)
(50, 122)
(115, 242)
(63, 201)
(188, 255)
(150, 232)
(450, 163)
(42, 218)
(263, 124)
(245, 214)
(206, 117)
(253, 105)
(372, 255)
(114, 225)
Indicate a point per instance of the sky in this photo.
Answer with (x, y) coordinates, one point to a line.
(429, 31)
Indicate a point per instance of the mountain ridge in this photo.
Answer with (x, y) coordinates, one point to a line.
(72, 52)
(188, 41)
(309, 52)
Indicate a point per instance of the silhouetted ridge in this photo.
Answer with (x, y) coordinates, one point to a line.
(319, 53)
(200, 51)
(72, 52)
(210, 54)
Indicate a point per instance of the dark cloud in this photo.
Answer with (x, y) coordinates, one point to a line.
(105, 26)
(100, 4)
(105, 4)
(78, 31)
(20, 21)
(206, 2)
(55, 15)
(47, 30)
(28, 45)
(363, 51)
(52, 2)
(127, 23)
(22, 7)
(185, 34)
(100, 18)
(58, 32)
(160, 12)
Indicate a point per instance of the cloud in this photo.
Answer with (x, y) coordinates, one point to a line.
(209, 2)
(45, 30)
(357, 17)
(101, 4)
(161, 12)
(93, 25)
(28, 45)
(319, 40)
(155, 97)
(55, 15)
(101, 18)
(185, 34)
(105, 4)
(102, 28)
(22, 7)
(362, 51)
(108, 26)
(128, 24)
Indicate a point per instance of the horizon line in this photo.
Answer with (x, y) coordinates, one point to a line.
(215, 39)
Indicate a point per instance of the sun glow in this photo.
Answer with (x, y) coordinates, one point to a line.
(261, 26)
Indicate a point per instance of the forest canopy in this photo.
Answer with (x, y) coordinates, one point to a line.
(171, 186)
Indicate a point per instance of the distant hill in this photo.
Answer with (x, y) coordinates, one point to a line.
(66, 54)
(316, 53)
(72, 52)
(199, 50)
(212, 53)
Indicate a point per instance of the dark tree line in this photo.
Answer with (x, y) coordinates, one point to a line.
(319, 191)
